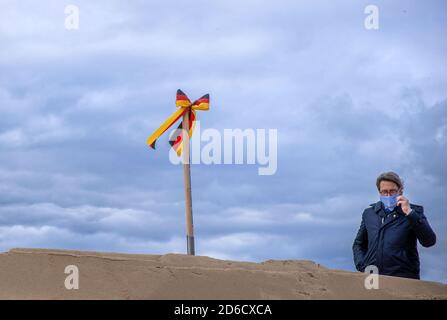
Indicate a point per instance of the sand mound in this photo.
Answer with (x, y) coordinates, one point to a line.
(39, 274)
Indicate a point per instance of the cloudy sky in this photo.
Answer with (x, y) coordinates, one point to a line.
(76, 107)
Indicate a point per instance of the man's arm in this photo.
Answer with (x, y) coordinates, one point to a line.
(360, 246)
(421, 227)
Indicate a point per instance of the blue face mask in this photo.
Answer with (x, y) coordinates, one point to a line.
(389, 202)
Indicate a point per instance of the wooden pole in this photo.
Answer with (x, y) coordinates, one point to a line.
(187, 180)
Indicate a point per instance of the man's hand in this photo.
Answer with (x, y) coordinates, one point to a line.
(404, 203)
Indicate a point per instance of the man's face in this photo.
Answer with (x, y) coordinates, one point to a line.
(388, 188)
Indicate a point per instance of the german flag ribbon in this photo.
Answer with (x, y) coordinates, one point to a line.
(183, 105)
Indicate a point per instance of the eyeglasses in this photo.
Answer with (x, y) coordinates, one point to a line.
(391, 192)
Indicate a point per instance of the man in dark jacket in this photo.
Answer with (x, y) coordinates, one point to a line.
(389, 230)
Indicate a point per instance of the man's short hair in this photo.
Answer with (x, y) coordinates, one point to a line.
(390, 176)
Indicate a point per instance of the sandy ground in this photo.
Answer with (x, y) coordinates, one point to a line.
(39, 274)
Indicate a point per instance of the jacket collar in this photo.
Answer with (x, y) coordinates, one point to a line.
(377, 206)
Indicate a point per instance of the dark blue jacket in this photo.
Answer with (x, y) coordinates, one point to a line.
(388, 241)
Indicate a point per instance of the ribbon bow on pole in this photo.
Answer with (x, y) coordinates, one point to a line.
(180, 141)
(184, 105)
